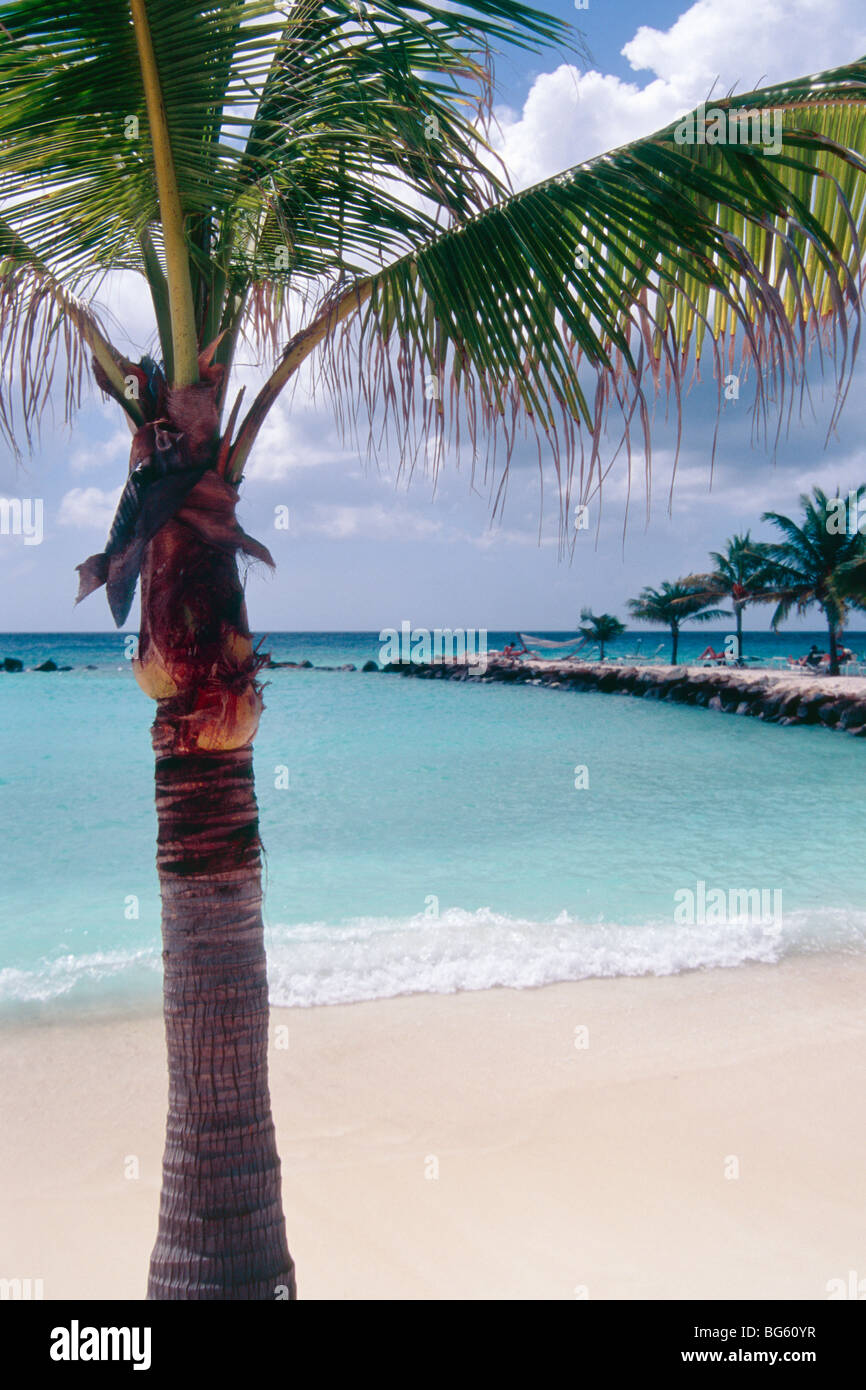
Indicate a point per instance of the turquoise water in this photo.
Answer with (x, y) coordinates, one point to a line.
(431, 837)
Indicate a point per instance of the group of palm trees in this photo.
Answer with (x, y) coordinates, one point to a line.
(820, 560)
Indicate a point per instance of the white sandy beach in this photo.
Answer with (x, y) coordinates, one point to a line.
(560, 1169)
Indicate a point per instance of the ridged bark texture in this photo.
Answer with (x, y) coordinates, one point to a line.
(221, 1225)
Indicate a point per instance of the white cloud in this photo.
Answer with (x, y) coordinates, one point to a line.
(743, 483)
(495, 537)
(292, 439)
(744, 41)
(88, 507)
(372, 521)
(570, 116)
(127, 313)
(114, 451)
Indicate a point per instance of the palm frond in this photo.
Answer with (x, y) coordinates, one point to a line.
(584, 294)
(851, 581)
(308, 143)
(320, 130)
(783, 609)
(707, 615)
(46, 331)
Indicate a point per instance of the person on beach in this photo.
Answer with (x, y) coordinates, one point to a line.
(813, 658)
(513, 652)
(708, 654)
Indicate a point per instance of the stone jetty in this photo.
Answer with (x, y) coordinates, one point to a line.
(777, 697)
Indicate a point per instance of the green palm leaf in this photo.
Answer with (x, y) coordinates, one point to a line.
(569, 298)
(45, 330)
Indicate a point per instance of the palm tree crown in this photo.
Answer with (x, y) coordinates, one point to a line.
(738, 576)
(815, 562)
(601, 628)
(671, 606)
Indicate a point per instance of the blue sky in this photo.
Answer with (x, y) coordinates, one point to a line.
(365, 552)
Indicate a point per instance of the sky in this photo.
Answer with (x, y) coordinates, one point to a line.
(363, 549)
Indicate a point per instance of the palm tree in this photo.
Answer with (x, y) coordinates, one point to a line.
(315, 179)
(820, 561)
(601, 628)
(738, 576)
(671, 606)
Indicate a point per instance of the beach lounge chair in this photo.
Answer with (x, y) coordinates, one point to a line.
(655, 658)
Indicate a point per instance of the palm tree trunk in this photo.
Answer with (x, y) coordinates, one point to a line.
(834, 646)
(221, 1228)
(675, 635)
(221, 1225)
(739, 612)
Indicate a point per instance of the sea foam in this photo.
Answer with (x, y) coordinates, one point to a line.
(381, 957)
(377, 958)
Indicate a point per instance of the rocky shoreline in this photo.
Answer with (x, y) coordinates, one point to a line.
(776, 697)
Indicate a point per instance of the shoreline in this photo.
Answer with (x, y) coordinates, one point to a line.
(832, 702)
(561, 1166)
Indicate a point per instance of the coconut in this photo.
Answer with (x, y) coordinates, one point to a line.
(153, 678)
(222, 718)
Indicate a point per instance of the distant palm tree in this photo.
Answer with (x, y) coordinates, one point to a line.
(822, 561)
(738, 576)
(672, 605)
(601, 628)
